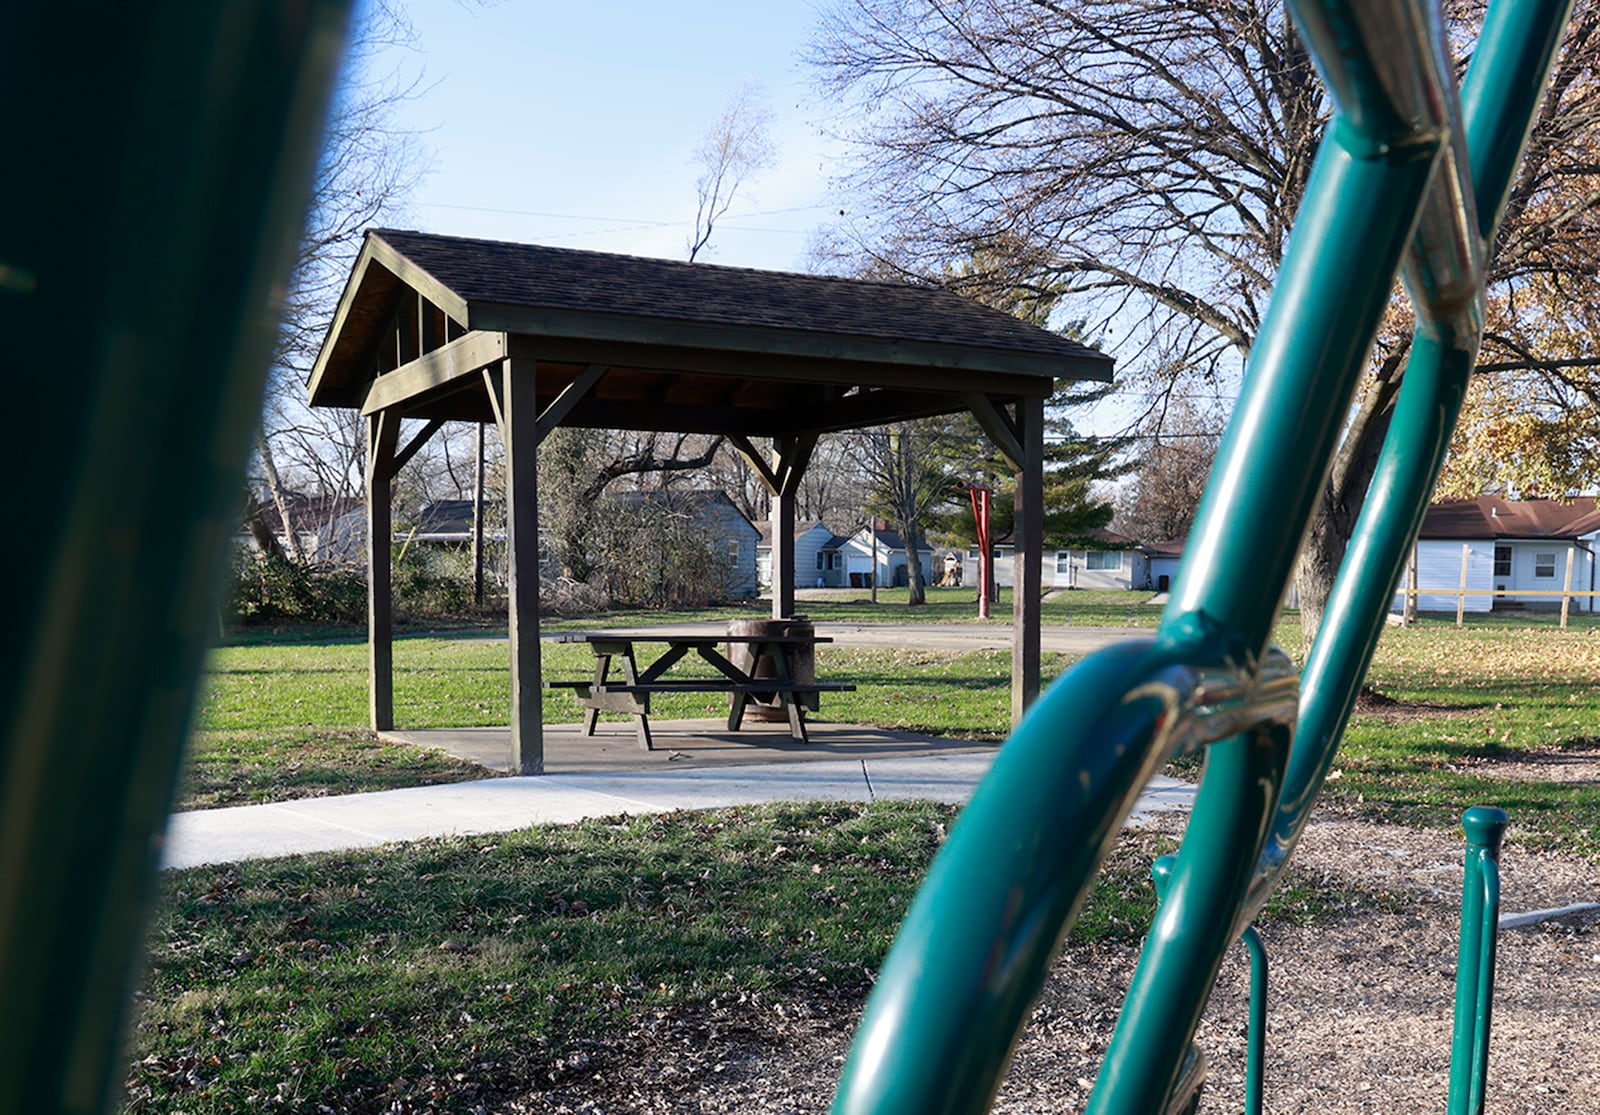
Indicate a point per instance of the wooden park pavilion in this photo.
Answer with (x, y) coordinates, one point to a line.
(441, 328)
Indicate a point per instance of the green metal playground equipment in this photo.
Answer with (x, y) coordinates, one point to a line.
(135, 257)
(1406, 171)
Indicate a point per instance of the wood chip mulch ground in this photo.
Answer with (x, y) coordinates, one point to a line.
(1359, 1019)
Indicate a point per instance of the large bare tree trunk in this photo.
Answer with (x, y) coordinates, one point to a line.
(1343, 493)
(918, 591)
(280, 499)
(266, 542)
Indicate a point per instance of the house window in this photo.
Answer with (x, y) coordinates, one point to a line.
(820, 566)
(1544, 565)
(972, 552)
(1502, 559)
(1105, 559)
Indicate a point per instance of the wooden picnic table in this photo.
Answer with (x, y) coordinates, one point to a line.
(773, 686)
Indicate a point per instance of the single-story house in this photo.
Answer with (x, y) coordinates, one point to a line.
(817, 559)
(449, 521)
(885, 560)
(329, 529)
(1520, 549)
(714, 517)
(1107, 560)
(1161, 563)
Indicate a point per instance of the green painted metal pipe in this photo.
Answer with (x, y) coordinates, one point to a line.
(1485, 827)
(1301, 379)
(1255, 1065)
(160, 157)
(1382, 63)
(1256, 1033)
(1000, 896)
(1499, 98)
(1194, 926)
(1357, 218)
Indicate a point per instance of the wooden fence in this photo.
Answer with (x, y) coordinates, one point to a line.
(1411, 592)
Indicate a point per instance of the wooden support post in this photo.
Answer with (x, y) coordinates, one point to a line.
(1408, 609)
(383, 431)
(1461, 597)
(477, 525)
(781, 516)
(1026, 604)
(782, 476)
(520, 434)
(1566, 587)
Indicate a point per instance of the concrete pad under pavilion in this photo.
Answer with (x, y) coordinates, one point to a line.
(684, 745)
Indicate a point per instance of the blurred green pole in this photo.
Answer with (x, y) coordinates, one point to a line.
(1485, 827)
(1256, 1032)
(159, 158)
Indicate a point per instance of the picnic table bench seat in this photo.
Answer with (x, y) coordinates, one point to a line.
(631, 693)
(708, 685)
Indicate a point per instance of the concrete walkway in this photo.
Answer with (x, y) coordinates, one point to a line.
(334, 824)
(696, 765)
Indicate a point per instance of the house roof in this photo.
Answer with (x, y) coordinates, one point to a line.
(1492, 516)
(764, 528)
(887, 539)
(308, 513)
(1096, 539)
(1172, 548)
(691, 501)
(450, 519)
(666, 345)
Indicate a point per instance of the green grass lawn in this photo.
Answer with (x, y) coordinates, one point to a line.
(445, 974)
(1491, 695)
(449, 973)
(284, 720)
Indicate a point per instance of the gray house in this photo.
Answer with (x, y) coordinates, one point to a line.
(818, 562)
(1105, 560)
(328, 529)
(714, 518)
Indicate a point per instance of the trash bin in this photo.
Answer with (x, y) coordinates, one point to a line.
(801, 657)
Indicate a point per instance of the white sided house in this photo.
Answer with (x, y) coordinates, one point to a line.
(817, 560)
(1162, 560)
(1111, 561)
(1505, 554)
(330, 530)
(883, 560)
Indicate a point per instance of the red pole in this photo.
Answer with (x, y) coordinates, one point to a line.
(980, 513)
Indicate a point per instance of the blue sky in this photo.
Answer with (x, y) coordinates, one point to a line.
(574, 123)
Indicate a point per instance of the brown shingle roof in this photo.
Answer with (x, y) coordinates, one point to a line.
(1492, 516)
(536, 276)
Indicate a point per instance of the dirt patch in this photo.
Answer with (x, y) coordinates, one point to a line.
(1359, 1019)
(1370, 702)
(1577, 766)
